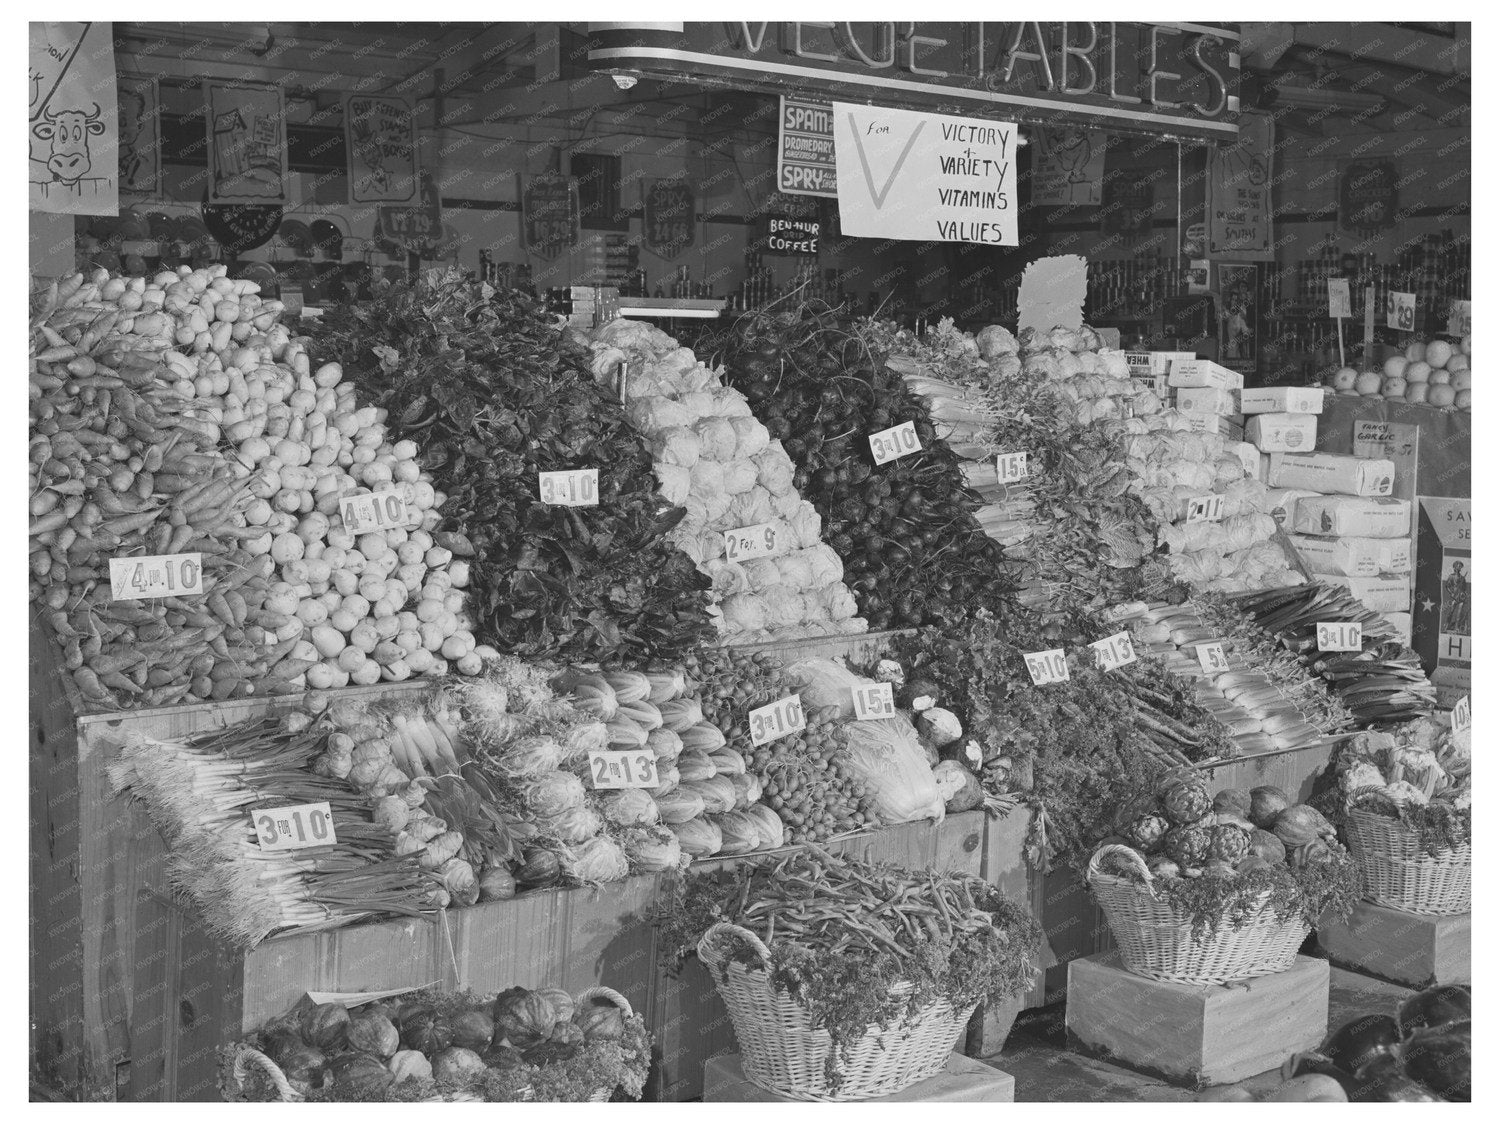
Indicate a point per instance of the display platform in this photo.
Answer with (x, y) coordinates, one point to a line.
(962, 1079)
(1416, 949)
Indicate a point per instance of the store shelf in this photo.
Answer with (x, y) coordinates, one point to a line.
(646, 308)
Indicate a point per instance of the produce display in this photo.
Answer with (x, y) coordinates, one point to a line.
(521, 1045)
(1418, 772)
(489, 394)
(175, 415)
(1431, 372)
(713, 457)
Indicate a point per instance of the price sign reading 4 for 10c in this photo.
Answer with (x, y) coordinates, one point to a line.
(1114, 651)
(750, 542)
(895, 442)
(376, 511)
(872, 701)
(294, 827)
(767, 723)
(620, 768)
(161, 575)
(1050, 666)
(1340, 636)
(576, 488)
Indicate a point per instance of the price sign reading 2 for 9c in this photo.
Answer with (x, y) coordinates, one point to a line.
(1114, 651)
(872, 701)
(621, 768)
(1046, 667)
(767, 723)
(1341, 636)
(375, 511)
(161, 575)
(895, 442)
(294, 827)
(576, 488)
(746, 543)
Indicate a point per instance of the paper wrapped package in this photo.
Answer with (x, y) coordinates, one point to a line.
(1330, 473)
(1281, 400)
(1371, 517)
(1281, 433)
(1383, 595)
(1354, 556)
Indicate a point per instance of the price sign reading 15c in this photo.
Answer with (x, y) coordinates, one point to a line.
(873, 701)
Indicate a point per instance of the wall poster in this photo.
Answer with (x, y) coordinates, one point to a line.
(1068, 166)
(670, 219)
(549, 214)
(380, 138)
(73, 119)
(1239, 316)
(1239, 192)
(140, 136)
(246, 142)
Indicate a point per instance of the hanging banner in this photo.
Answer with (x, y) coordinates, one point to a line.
(1239, 314)
(549, 214)
(925, 177)
(73, 119)
(1442, 633)
(140, 136)
(415, 230)
(671, 217)
(1068, 167)
(804, 162)
(380, 138)
(246, 143)
(1368, 195)
(1239, 192)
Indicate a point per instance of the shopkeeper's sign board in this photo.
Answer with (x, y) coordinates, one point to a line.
(1166, 79)
(925, 177)
(804, 163)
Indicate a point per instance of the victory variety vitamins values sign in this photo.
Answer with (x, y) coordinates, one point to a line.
(924, 176)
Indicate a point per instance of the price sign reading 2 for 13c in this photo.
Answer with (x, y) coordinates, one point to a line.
(898, 441)
(746, 543)
(376, 511)
(767, 723)
(294, 827)
(161, 575)
(1114, 651)
(620, 768)
(576, 488)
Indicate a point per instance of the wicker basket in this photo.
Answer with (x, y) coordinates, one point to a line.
(246, 1056)
(782, 1052)
(1156, 940)
(1396, 872)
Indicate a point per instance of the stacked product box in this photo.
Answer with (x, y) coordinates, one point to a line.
(1206, 395)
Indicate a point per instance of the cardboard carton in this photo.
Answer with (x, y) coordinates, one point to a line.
(1281, 400)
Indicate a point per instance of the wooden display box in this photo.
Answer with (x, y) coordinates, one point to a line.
(1196, 1035)
(1415, 949)
(961, 1080)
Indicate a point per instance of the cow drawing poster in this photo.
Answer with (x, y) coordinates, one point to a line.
(140, 136)
(72, 122)
(380, 135)
(1068, 167)
(246, 143)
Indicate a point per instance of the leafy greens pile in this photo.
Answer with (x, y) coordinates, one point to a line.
(491, 394)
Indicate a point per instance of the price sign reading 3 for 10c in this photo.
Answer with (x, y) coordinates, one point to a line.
(376, 511)
(1340, 636)
(161, 575)
(895, 442)
(767, 723)
(294, 827)
(872, 701)
(1046, 667)
(576, 488)
(750, 542)
(1114, 651)
(620, 768)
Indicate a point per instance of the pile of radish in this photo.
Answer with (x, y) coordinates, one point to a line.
(175, 414)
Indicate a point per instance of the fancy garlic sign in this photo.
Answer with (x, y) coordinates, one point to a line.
(924, 177)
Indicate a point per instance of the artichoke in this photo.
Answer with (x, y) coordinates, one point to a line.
(1228, 843)
(1187, 846)
(1146, 832)
(1186, 801)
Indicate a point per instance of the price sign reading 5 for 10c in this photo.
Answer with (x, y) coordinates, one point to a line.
(767, 723)
(1050, 666)
(376, 511)
(161, 575)
(294, 827)
(1114, 651)
(620, 768)
(750, 542)
(872, 701)
(895, 442)
(576, 488)
(1340, 636)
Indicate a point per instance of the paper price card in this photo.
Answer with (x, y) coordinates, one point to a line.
(780, 718)
(1401, 311)
(1205, 509)
(1211, 658)
(1339, 306)
(1010, 467)
(750, 542)
(1460, 318)
(377, 511)
(576, 488)
(160, 575)
(294, 827)
(1340, 636)
(872, 701)
(1114, 651)
(898, 441)
(622, 768)
(1463, 714)
(1046, 667)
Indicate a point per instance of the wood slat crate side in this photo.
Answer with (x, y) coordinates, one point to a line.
(1293, 771)
(857, 648)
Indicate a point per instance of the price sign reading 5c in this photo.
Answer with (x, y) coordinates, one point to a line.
(750, 542)
(1205, 509)
(377, 511)
(294, 827)
(1050, 666)
(872, 701)
(783, 717)
(577, 488)
(1211, 658)
(161, 575)
(1114, 651)
(623, 768)
(1010, 467)
(1340, 636)
(895, 442)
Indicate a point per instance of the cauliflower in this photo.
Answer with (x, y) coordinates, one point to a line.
(994, 341)
(775, 469)
(752, 437)
(762, 574)
(744, 612)
(674, 483)
(675, 444)
(740, 476)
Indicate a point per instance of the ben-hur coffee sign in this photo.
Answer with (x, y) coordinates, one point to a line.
(1174, 79)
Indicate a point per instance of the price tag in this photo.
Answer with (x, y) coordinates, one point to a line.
(375, 511)
(750, 542)
(576, 488)
(1340, 636)
(295, 827)
(1114, 651)
(1010, 467)
(1205, 509)
(895, 442)
(1339, 306)
(1046, 667)
(160, 575)
(767, 723)
(1401, 311)
(1463, 715)
(622, 768)
(872, 701)
(1460, 318)
(1211, 658)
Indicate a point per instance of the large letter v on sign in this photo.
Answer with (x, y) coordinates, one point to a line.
(864, 161)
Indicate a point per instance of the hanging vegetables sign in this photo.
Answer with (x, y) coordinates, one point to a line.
(549, 214)
(380, 137)
(246, 143)
(72, 119)
(671, 217)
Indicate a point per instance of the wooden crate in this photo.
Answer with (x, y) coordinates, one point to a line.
(962, 1079)
(1415, 949)
(1292, 770)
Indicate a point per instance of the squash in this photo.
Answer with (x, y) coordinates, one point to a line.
(361, 1074)
(1266, 803)
(409, 1065)
(422, 1029)
(1267, 846)
(1310, 1087)
(324, 1025)
(473, 1030)
(456, 1064)
(523, 1018)
(373, 1033)
(600, 1022)
(563, 1004)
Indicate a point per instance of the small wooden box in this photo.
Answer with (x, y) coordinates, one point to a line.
(1196, 1035)
(962, 1079)
(1416, 949)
